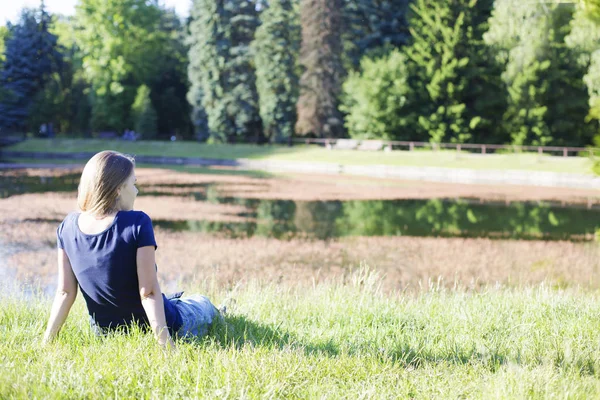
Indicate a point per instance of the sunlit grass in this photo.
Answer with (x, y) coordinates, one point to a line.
(331, 340)
(445, 159)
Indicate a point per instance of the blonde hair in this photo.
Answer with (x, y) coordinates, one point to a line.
(101, 179)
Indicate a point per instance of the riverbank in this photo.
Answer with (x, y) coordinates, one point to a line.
(312, 154)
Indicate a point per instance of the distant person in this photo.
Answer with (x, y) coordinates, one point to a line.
(108, 250)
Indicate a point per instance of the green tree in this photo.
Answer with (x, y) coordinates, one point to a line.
(373, 27)
(591, 9)
(276, 46)
(144, 114)
(455, 82)
(3, 36)
(584, 39)
(221, 70)
(32, 57)
(321, 58)
(121, 44)
(377, 99)
(66, 96)
(547, 103)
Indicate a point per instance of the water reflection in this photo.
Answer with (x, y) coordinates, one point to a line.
(465, 217)
(21, 183)
(434, 217)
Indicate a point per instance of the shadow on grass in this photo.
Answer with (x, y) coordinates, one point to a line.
(239, 331)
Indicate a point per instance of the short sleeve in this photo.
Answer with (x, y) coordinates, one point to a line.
(59, 240)
(145, 232)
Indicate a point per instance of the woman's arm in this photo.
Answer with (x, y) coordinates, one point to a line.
(66, 292)
(151, 295)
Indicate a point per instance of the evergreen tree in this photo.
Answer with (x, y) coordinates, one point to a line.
(547, 103)
(144, 114)
(374, 26)
(275, 47)
(32, 57)
(221, 71)
(320, 55)
(454, 82)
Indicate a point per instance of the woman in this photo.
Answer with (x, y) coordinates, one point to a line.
(109, 251)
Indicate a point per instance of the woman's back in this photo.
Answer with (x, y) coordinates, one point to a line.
(104, 263)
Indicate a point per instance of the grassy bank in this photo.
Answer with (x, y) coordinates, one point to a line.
(327, 341)
(446, 159)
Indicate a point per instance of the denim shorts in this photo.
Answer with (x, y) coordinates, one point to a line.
(197, 315)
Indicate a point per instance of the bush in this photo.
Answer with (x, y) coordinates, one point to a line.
(376, 98)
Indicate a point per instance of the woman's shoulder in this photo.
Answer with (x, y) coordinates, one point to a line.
(72, 216)
(134, 216)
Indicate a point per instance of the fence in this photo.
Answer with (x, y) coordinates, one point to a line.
(351, 144)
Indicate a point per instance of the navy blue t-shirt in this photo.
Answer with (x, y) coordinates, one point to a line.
(106, 269)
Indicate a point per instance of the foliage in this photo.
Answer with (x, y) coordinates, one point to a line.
(591, 9)
(32, 57)
(377, 99)
(438, 217)
(455, 81)
(584, 39)
(276, 48)
(143, 113)
(221, 71)
(372, 27)
(4, 34)
(540, 73)
(124, 49)
(320, 56)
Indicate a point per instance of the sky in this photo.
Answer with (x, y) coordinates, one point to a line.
(10, 9)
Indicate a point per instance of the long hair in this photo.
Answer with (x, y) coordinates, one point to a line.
(101, 179)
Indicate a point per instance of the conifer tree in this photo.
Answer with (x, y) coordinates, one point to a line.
(374, 27)
(275, 47)
(221, 68)
(32, 56)
(454, 82)
(320, 56)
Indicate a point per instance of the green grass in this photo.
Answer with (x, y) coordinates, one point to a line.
(328, 341)
(191, 169)
(446, 159)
